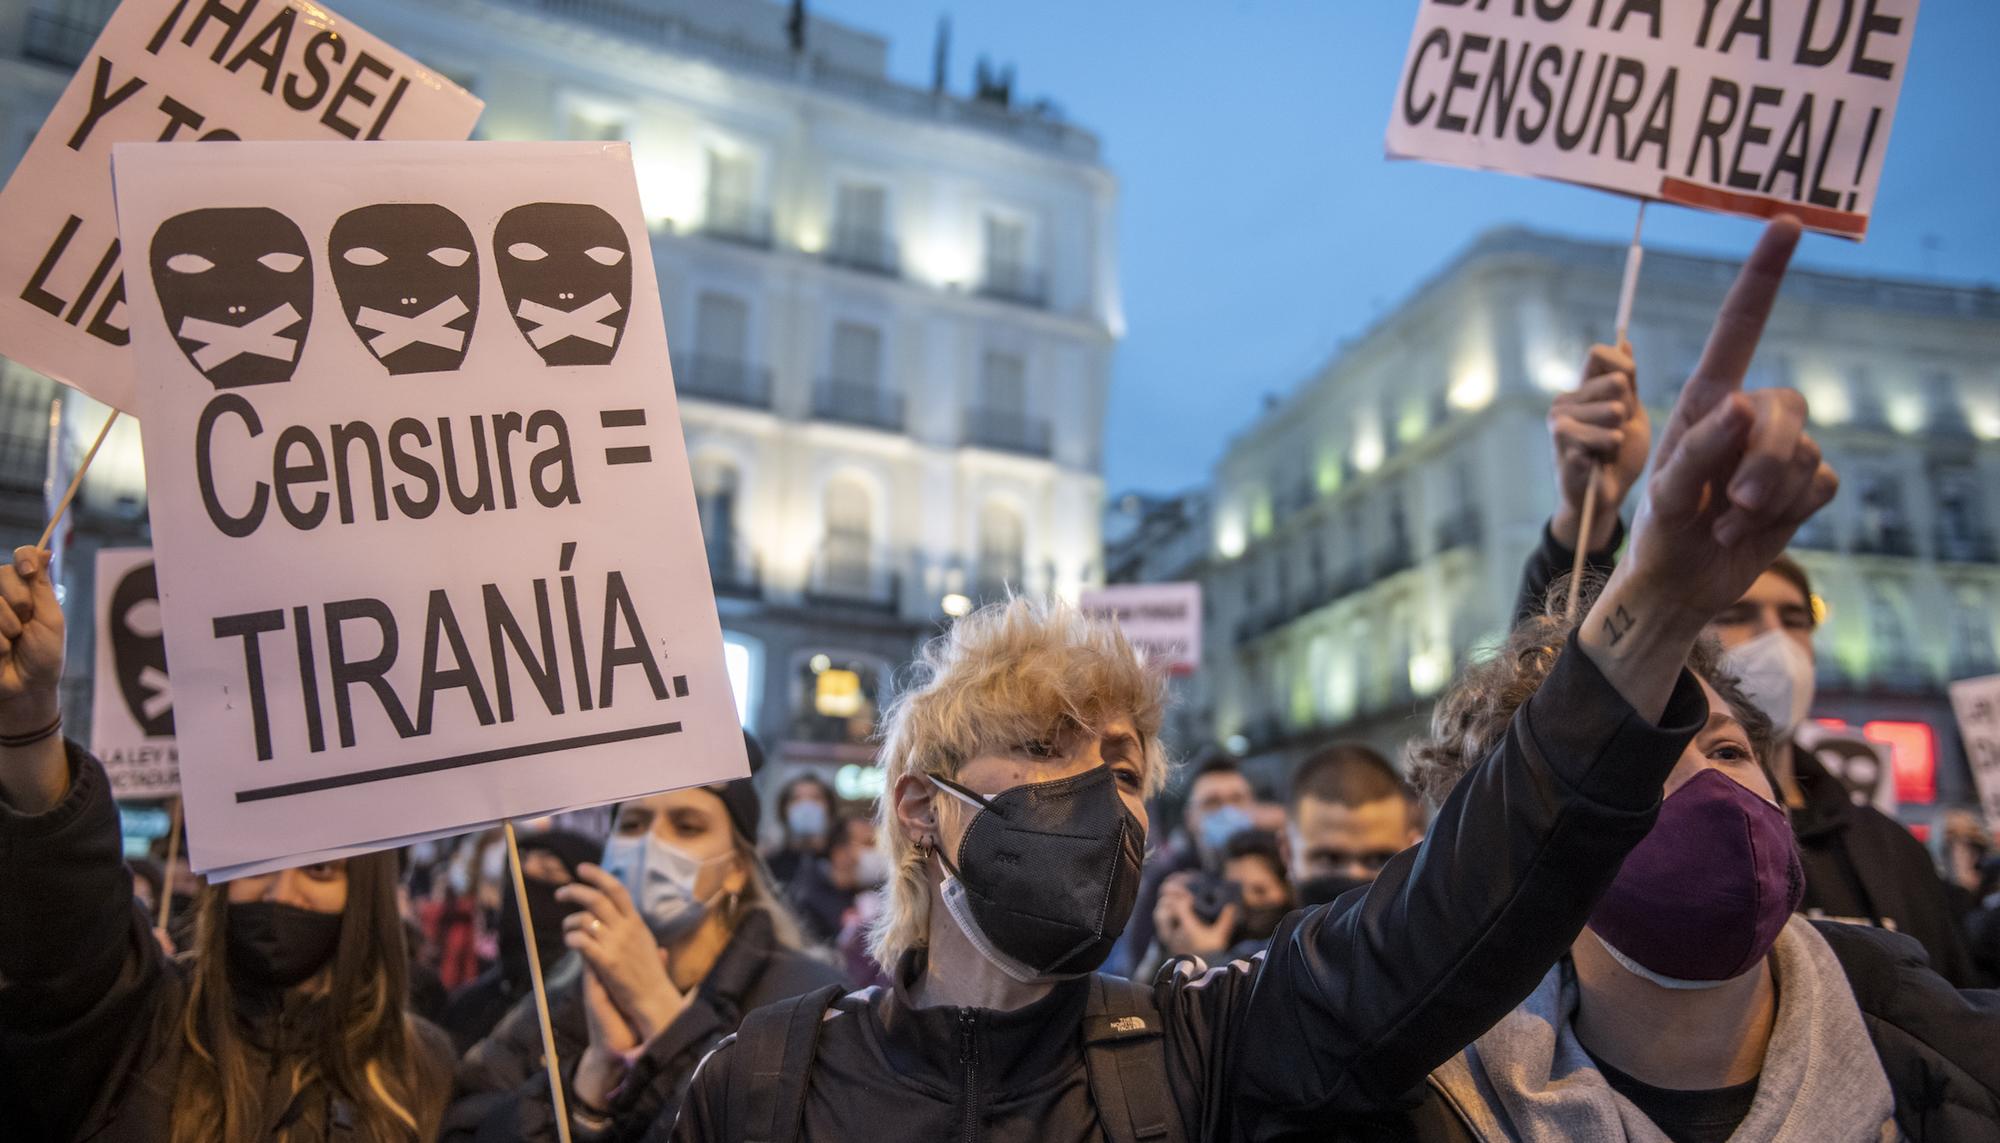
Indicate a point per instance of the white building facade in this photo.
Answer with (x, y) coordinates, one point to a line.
(892, 312)
(1369, 530)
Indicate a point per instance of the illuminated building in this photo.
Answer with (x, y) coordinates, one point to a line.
(1368, 531)
(892, 310)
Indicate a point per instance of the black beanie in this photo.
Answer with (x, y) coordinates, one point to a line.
(739, 797)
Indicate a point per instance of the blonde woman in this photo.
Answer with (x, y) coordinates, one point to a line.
(1018, 766)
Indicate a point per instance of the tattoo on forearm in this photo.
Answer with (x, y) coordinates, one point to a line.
(1617, 624)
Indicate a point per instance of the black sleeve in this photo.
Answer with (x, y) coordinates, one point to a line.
(500, 1089)
(1357, 1001)
(1550, 560)
(80, 973)
(1924, 1028)
(652, 1089)
(1933, 920)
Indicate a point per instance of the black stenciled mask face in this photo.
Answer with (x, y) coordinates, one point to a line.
(566, 269)
(1047, 874)
(409, 283)
(236, 287)
(139, 651)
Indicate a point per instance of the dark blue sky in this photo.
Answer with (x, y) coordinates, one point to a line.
(1259, 224)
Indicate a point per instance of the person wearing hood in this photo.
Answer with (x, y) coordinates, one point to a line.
(549, 861)
(1697, 1005)
(677, 933)
(1860, 864)
(1018, 761)
(285, 1016)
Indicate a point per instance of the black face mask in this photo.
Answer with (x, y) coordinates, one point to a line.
(547, 914)
(1257, 923)
(277, 946)
(1047, 874)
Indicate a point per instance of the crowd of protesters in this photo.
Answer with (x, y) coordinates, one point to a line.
(1605, 897)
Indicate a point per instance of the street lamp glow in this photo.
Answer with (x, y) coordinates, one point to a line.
(956, 605)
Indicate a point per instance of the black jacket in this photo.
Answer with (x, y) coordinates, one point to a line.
(1861, 865)
(1939, 1046)
(502, 1089)
(90, 1008)
(1344, 1016)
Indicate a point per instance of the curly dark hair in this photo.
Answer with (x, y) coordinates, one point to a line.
(1469, 720)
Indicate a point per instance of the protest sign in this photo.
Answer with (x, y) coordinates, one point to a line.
(172, 71)
(1161, 619)
(132, 702)
(1744, 106)
(1976, 702)
(427, 541)
(1862, 764)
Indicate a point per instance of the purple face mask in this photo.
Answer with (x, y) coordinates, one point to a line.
(1703, 898)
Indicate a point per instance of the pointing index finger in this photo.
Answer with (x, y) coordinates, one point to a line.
(1739, 324)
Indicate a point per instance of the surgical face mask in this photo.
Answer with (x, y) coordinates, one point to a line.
(871, 868)
(493, 864)
(1777, 675)
(276, 946)
(806, 818)
(661, 879)
(1222, 823)
(1046, 874)
(1702, 899)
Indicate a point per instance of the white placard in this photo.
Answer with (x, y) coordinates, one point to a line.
(1750, 108)
(1162, 619)
(132, 701)
(427, 541)
(1976, 702)
(164, 70)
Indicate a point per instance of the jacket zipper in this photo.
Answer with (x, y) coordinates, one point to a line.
(968, 1056)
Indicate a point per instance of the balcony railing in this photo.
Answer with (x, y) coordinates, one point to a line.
(1394, 558)
(723, 379)
(1012, 282)
(1461, 529)
(732, 567)
(1007, 431)
(847, 572)
(1967, 547)
(864, 248)
(737, 220)
(858, 403)
(1894, 540)
(61, 33)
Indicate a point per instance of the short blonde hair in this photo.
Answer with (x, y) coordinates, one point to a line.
(1026, 670)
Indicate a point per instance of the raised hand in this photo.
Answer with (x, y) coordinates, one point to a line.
(1600, 432)
(1735, 476)
(1737, 473)
(31, 643)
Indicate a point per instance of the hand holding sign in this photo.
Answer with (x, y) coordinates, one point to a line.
(31, 644)
(1601, 431)
(1737, 473)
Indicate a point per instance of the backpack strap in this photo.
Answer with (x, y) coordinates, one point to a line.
(772, 1064)
(1125, 1054)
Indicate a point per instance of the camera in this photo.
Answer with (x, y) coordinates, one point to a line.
(1213, 894)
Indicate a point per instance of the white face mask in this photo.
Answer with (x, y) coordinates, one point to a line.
(661, 879)
(871, 868)
(1777, 675)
